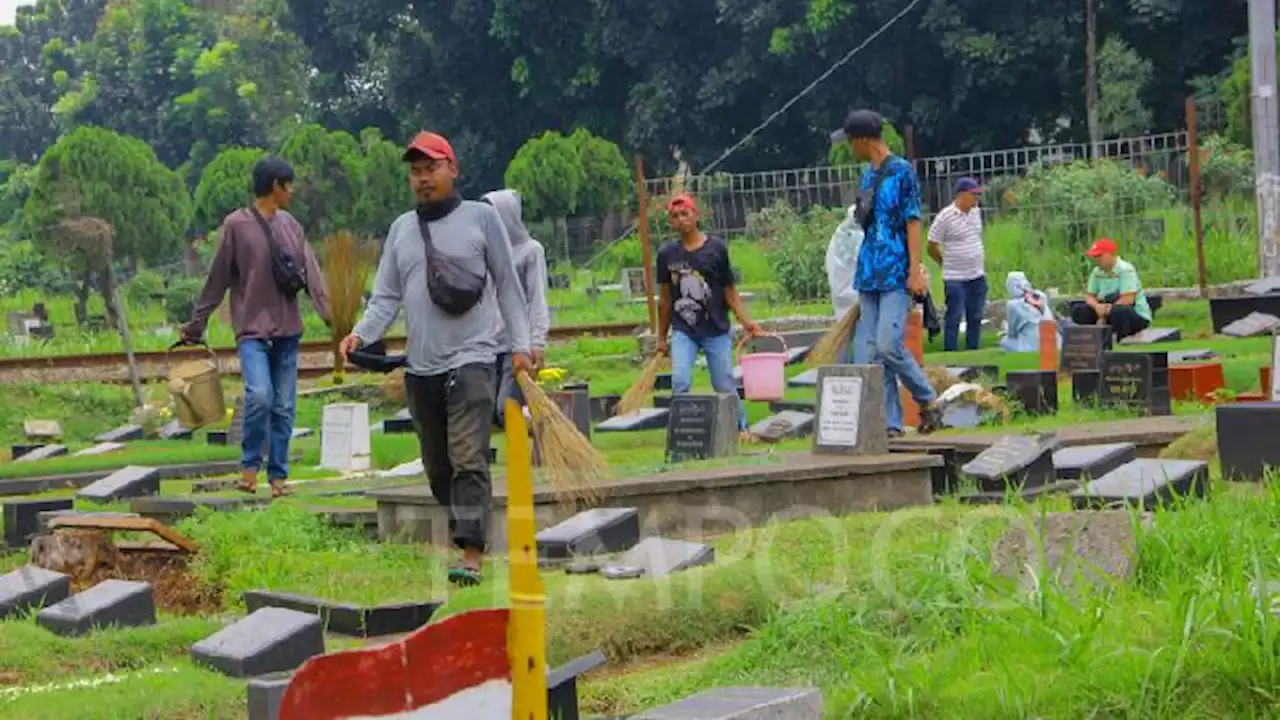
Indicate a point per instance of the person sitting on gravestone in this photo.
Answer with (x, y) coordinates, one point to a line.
(450, 315)
(265, 315)
(1114, 296)
(696, 292)
(531, 269)
(1026, 308)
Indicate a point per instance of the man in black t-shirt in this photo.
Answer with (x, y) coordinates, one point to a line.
(696, 292)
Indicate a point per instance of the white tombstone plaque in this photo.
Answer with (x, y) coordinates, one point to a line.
(344, 438)
(838, 416)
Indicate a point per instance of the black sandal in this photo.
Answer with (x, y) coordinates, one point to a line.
(464, 576)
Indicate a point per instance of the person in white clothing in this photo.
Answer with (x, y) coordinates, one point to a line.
(955, 243)
(842, 260)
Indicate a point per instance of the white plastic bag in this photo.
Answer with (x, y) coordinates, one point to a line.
(842, 261)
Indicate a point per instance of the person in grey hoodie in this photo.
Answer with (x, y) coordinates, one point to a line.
(448, 264)
(531, 267)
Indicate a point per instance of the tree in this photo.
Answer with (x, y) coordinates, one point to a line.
(384, 190)
(1123, 76)
(549, 178)
(605, 183)
(1236, 92)
(225, 184)
(329, 168)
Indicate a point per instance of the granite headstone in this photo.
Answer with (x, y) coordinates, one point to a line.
(851, 414)
(702, 427)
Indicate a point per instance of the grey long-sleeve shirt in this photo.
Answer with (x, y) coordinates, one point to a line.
(474, 236)
(531, 268)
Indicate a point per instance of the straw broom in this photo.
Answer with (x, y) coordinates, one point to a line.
(575, 466)
(633, 399)
(829, 347)
(346, 273)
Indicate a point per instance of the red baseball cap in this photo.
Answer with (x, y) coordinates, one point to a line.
(433, 146)
(681, 202)
(1102, 246)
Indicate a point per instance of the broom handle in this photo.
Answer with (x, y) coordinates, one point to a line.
(745, 337)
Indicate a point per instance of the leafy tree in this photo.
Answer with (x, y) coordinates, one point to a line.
(605, 184)
(1123, 76)
(384, 191)
(547, 173)
(329, 171)
(841, 154)
(225, 184)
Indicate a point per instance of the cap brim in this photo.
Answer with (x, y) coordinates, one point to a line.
(1094, 252)
(839, 136)
(413, 152)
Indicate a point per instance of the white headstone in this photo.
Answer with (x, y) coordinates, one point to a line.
(344, 437)
(839, 414)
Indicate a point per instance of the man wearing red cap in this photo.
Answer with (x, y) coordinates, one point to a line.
(1114, 296)
(696, 291)
(449, 265)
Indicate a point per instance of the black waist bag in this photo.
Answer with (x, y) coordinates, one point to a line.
(865, 208)
(452, 287)
(289, 274)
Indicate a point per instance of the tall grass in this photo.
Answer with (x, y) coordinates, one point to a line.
(348, 262)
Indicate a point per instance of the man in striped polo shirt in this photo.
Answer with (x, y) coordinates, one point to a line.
(955, 243)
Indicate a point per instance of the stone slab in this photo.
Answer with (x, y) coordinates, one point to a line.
(130, 482)
(785, 425)
(22, 519)
(1195, 355)
(1247, 444)
(175, 431)
(743, 703)
(1092, 461)
(1035, 390)
(1153, 335)
(1147, 483)
(602, 407)
(170, 508)
(104, 448)
(1069, 549)
(598, 531)
(1026, 495)
(346, 618)
(124, 433)
(397, 426)
(269, 640)
(265, 695)
(642, 419)
(700, 427)
(1252, 325)
(808, 378)
(44, 452)
(804, 406)
(851, 414)
(658, 557)
(42, 429)
(31, 588)
(17, 450)
(1015, 461)
(44, 518)
(110, 603)
(1265, 286)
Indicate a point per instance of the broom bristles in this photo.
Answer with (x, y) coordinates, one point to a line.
(633, 399)
(575, 466)
(829, 347)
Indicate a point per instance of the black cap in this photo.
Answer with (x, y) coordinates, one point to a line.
(860, 124)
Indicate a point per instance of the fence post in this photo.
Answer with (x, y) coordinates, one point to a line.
(1196, 193)
(643, 196)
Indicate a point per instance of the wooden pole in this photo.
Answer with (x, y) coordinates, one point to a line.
(643, 196)
(1193, 141)
(527, 647)
(126, 338)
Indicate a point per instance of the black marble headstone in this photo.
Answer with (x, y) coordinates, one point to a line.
(1036, 390)
(576, 406)
(701, 427)
(29, 588)
(267, 641)
(599, 531)
(118, 603)
(1018, 461)
(1086, 387)
(602, 407)
(1083, 346)
(1145, 483)
(1136, 380)
(22, 519)
(1092, 461)
(1247, 444)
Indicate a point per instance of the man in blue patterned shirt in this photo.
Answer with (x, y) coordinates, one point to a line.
(890, 273)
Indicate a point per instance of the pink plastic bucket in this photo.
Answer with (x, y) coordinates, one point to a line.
(764, 373)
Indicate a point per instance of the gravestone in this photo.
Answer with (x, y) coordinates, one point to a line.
(105, 448)
(1153, 335)
(397, 425)
(122, 434)
(785, 425)
(662, 381)
(850, 417)
(267, 641)
(808, 378)
(1247, 439)
(31, 588)
(1027, 495)
(130, 482)
(1265, 286)
(1086, 387)
(1253, 324)
(1035, 390)
(1177, 357)
(346, 618)
(658, 557)
(17, 451)
(743, 703)
(110, 603)
(801, 406)
(576, 406)
(642, 419)
(216, 437)
(701, 427)
(602, 407)
(1015, 461)
(1133, 380)
(1071, 550)
(265, 695)
(1145, 483)
(1083, 347)
(173, 430)
(44, 452)
(599, 531)
(562, 685)
(42, 429)
(345, 438)
(22, 519)
(171, 509)
(1087, 462)
(633, 285)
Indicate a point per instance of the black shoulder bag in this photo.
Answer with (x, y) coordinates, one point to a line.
(452, 287)
(289, 274)
(865, 208)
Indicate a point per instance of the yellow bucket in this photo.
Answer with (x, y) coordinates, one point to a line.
(196, 388)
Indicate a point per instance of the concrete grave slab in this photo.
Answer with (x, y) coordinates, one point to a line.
(44, 452)
(1015, 461)
(1153, 335)
(1252, 325)
(1147, 483)
(170, 509)
(267, 641)
(659, 557)
(642, 419)
(851, 414)
(1026, 495)
(174, 431)
(1092, 461)
(808, 378)
(18, 450)
(345, 618)
(43, 519)
(1265, 286)
(266, 694)
(105, 448)
(22, 519)
(562, 686)
(42, 429)
(598, 531)
(785, 425)
(413, 468)
(1074, 549)
(130, 482)
(110, 603)
(1247, 444)
(124, 433)
(743, 703)
(31, 588)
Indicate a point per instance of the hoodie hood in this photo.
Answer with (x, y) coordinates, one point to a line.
(510, 209)
(1016, 284)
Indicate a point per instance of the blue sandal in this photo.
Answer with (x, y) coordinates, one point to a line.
(464, 576)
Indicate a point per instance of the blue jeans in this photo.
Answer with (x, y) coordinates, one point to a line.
(967, 298)
(719, 352)
(881, 338)
(270, 370)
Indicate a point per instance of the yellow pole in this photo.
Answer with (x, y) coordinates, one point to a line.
(527, 645)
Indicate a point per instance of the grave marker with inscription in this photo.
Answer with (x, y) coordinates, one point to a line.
(1017, 461)
(850, 417)
(345, 437)
(701, 427)
(1139, 381)
(1083, 347)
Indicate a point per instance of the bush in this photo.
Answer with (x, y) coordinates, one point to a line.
(144, 288)
(801, 256)
(22, 267)
(180, 299)
(1225, 167)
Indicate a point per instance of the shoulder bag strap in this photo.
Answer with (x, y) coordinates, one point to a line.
(271, 239)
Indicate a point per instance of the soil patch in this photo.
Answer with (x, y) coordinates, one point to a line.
(8, 677)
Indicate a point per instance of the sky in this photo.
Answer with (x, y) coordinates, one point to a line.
(7, 7)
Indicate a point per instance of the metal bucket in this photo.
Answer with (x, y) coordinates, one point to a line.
(196, 388)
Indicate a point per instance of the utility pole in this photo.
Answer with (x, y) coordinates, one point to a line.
(1266, 143)
(1091, 75)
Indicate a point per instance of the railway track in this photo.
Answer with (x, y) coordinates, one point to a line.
(315, 358)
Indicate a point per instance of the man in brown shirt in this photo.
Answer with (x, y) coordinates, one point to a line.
(266, 317)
